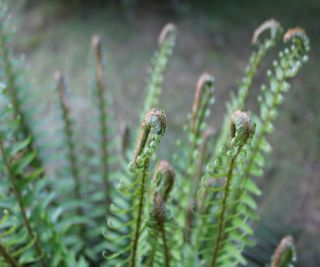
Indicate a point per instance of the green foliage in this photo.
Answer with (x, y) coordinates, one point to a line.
(197, 212)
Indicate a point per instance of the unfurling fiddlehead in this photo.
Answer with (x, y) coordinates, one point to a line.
(164, 177)
(152, 129)
(212, 239)
(164, 249)
(241, 130)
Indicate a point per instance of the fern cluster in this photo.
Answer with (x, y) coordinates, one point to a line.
(112, 203)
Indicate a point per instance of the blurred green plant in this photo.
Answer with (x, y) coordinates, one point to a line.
(196, 211)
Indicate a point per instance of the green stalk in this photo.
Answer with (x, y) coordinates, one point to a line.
(101, 88)
(140, 214)
(68, 131)
(221, 220)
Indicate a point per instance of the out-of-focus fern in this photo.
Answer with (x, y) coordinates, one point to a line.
(24, 189)
(12, 75)
(14, 242)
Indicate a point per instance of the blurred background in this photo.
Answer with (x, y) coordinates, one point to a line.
(213, 36)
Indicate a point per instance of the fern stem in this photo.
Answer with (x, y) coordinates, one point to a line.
(7, 257)
(19, 198)
(221, 220)
(140, 213)
(160, 217)
(101, 88)
(203, 96)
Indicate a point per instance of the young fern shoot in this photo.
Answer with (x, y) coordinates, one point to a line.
(164, 249)
(152, 129)
(212, 239)
(188, 175)
(166, 43)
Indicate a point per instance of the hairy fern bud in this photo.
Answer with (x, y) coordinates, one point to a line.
(168, 31)
(155, 120)
(285, 254)
(299, 37)
(241, 128)
(164, 176)
(205, 82)
(272, 25)
(159, 211)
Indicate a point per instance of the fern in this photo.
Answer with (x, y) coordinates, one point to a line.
(198, 212)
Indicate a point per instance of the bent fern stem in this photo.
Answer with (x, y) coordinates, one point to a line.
(241, 130)
(285, 253)
(159, 63)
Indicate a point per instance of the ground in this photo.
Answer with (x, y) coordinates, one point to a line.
(213, 38)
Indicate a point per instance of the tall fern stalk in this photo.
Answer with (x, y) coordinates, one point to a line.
(241, 130)
(154, 120)
(101, 91)
(68, 131)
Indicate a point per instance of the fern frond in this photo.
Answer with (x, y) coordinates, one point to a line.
(159, 63)
(237, 102)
